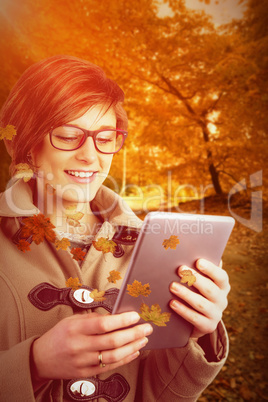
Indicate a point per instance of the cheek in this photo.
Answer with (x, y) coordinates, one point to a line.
(106, 163)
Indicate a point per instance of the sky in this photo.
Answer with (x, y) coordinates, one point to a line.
(222, 11)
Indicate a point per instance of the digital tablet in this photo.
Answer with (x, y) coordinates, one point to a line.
(168, 240)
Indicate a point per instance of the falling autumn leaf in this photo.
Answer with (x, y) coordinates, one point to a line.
(73, 217)
(39, 227)
(23, 245)
(63, 244)
(7, 132)
(187, 277)
(137, 289)
(24, 171)
(78, 254)
(104, 245)
(97, 296)
(154, 315)
(73, 283)
(114, 276)
(172, 242)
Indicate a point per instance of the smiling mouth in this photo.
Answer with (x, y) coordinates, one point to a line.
(79, 174)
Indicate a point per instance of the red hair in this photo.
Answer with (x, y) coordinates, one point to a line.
(52, 92)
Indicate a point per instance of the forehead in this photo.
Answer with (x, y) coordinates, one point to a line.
(95, 118)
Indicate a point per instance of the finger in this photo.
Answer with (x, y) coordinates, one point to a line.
(206, 287)
(101, 324)
(199, 321)
(218, 275)
(116, 355)
(89, 370)
(199, 303)
(119, 338)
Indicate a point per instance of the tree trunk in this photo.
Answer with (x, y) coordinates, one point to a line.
(215, 178)
(212, 169)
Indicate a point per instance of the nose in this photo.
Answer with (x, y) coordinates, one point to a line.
(87, 152)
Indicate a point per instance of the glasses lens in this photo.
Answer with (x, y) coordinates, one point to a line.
(67, 137)
(109, 141)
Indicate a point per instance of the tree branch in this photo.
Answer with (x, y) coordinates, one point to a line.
(214, 104)
(228, 174)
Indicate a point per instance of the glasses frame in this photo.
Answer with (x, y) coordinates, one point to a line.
(87, 133)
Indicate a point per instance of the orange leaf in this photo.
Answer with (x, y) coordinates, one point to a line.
(172, 242)
(187, 277)
(104, 245)
(64, 243)
(114, 276)
(78, 254)
(154, 315)
(7, 132)
(137, 289)
(23, 245)
(97, 295)
(73, 283)
(39, 227)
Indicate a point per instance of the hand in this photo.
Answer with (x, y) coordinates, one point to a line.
(207, 306)
(71, 348)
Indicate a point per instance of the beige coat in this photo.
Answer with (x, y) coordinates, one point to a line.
(164, 375)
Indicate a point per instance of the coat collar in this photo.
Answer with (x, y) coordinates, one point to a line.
(17, 201)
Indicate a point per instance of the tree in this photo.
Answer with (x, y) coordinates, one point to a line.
(185, 83)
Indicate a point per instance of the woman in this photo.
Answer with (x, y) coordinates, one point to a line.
(61, 234)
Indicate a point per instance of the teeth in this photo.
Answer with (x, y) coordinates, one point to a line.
(80, 174)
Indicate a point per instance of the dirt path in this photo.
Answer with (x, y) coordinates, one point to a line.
(244, 377)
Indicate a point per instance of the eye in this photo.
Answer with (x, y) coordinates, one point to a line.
(104, 140)
(66, 138)
(105, 137)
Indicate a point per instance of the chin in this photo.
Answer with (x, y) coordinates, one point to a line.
(77, 195)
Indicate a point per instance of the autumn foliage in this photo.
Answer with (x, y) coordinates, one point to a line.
(23, 245)
(196, 93)
(114, 276)
(98, 296)
(172, 242)
(104, 245)
(187, 277)
(136, 289)
(78, 253)
(39, 227)
(73, 283)
(63, 244)
(154, 315)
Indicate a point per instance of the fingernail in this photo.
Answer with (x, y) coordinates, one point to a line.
(174, 304)
(174, 286)
(148, 330)
(134, 317)
(135, 355)
(144, 342)
(183, 268)
(201, 264)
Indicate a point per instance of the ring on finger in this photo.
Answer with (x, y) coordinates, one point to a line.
(100, 360)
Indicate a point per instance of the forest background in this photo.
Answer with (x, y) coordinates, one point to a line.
(197, 101)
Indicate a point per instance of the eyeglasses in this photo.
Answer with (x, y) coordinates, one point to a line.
(69, 138)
